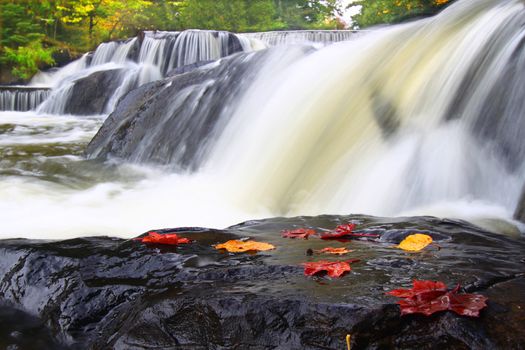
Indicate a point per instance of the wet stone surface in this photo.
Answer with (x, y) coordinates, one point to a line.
(101, 292)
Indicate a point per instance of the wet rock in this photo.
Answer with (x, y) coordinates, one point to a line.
(91, 94)
(103, 292)
(187, 68)
(519, 214)
(171, 121)
(7, 78)
(20, 330)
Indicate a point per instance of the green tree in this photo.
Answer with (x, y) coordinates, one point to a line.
(161, 15)
(103, 19)
(32, 30)
(26, 59)
(375, 12)
(309, 14)
(260, 15)
(214, 14)
(22, 31)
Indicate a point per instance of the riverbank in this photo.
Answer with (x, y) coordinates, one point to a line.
(108, 292)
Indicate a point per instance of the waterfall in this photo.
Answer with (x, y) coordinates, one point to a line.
(113, 51)
(55, 76)
(404, 119)
(425, 117)
(179, 120)
(324, 37)
(155, 54)
(422, 118)
(138, 62)
(170, 50)
(21, 98)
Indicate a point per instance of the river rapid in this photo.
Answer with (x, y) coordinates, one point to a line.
(424, 118)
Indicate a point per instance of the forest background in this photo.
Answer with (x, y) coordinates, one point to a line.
(39, 34)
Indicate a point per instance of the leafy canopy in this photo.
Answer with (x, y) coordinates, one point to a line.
(32, 30)
(374, 12)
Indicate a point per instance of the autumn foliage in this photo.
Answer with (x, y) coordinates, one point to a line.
(425, 297)
(346, 231)
(428, 297)
(167, 238)
(235, 246)
(332, 268)
(415, 242)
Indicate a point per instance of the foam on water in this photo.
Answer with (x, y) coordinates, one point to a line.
(395, 122)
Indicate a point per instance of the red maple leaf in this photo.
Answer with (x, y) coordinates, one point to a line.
(428, 297)
(298, 233)
(332, 268)
(419, 287)
(346, 230)
(167, 238)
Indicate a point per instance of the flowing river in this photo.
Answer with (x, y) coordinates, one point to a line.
(424, 118)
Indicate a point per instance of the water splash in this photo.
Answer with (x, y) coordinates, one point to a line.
(393, 122)
(374, 126)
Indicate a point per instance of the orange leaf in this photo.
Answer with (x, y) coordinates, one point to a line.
(235, 246)
(415, 242)
(335, 251)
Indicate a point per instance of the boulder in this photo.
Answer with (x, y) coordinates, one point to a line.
(172, 121)
(102, 292)
(91, 94)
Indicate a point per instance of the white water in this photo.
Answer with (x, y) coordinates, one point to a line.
(327, 155)
(300, 36)
(17, 99)
(158, 53)
(305, 140)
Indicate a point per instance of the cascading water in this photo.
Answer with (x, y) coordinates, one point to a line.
(384, 125)
(145, 59)
(21, 98)
(137, 61)
(425, 118)
(302, 36)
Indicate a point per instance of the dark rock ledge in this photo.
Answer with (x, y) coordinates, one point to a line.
(101, 292)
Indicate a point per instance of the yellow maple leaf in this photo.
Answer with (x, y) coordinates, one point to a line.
(235, 246)
(415, 242)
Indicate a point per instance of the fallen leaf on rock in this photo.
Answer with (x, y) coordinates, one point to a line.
(332, 268)
(346, 230)
(167, 238)
(235, 246)
(428, 297)
(415, 242)
(419, 287)
(298, 233)
(335, 251)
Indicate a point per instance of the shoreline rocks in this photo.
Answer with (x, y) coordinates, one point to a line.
(100, 292)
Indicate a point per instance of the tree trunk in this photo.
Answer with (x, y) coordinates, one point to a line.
(91, 25)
